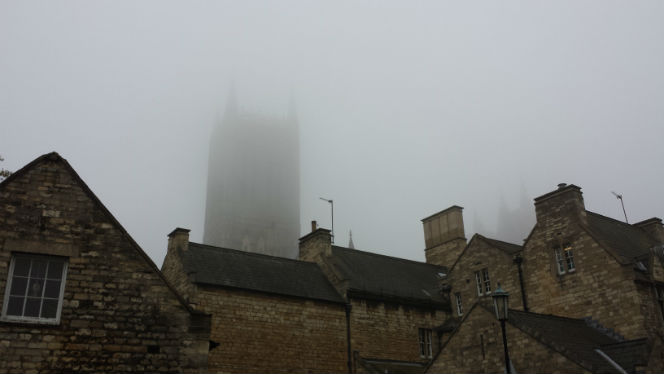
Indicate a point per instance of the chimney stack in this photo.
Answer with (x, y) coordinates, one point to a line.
(178, 239)
(444, 236)
(316, 244)
(565, 201)
(653, 226)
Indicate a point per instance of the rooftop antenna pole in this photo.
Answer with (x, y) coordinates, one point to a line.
(619, 197)
(332, 206)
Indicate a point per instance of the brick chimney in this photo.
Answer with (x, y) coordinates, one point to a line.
(653, 226)
(563, 204)
(444, 236)
(316, 244)
(178, 238)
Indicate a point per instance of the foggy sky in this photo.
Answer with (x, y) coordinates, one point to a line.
(405, 107)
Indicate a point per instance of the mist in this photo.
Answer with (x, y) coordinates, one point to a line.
(404, 108)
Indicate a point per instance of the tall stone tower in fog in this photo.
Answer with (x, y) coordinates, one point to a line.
(253, 189)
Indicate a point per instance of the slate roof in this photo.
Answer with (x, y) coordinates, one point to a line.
(575, 339)
(628, 354)
(384, 277)
(256, 272)
(509, 248)
(626, 240)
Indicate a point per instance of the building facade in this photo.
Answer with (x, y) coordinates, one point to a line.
(269, 314)
(253, 187)
(586, 293)
(78, 294)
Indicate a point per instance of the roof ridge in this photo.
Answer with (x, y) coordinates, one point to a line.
(553, 316)
(251, 254)
(501, 241)
(613, 220)
(386, 256)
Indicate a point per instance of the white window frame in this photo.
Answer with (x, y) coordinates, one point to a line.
(487, 281)
(459, 304)
(426, 349)
(564, 257)
(478, 281)
(10, 278)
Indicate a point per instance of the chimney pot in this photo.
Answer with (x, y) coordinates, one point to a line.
(314, 226)
(562, 185)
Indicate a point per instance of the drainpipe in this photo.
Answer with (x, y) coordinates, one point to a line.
(350, 362)
(518, 260)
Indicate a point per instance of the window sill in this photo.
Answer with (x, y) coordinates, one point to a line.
(29, 322)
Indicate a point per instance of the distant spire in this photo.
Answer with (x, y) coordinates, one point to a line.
(350, 240)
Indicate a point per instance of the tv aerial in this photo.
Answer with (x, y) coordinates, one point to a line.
(620, 197)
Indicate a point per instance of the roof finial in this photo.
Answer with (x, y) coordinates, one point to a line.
(350, 240)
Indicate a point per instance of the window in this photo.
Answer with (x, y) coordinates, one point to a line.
(565, 259)
(487, 281)
(458, 304)
(35, 287)
(483, 282)
(425, 343)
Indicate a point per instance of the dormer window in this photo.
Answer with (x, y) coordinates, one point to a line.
(565, 259)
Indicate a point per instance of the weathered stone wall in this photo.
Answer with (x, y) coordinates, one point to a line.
(262, 333)
(391, 331)
(477, 347)
(174, 273)
(445, 254)
(599, 287)
(477, 256)
(118, 314)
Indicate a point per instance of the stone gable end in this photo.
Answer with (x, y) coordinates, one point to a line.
(477, 347)
(599, 287)
(117, 312)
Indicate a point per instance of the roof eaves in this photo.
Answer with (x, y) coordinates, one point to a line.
(376, 296)
(267, 292)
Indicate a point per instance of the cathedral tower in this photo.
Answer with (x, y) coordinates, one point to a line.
(253, 190)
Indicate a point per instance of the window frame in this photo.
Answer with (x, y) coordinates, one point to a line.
(10, 279)
(425, 342)
(487, 281)
(459, 303)
(479, 283)
(564, 258)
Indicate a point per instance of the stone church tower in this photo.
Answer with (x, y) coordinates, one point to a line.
(253, 190)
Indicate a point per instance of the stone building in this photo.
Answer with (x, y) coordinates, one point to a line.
(253, 186)
(78, 294)
(269, 314)
(334, 310)
(396, 306)
(578, 274)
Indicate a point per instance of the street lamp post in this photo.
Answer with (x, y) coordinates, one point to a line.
(332, 206)
(500, 304)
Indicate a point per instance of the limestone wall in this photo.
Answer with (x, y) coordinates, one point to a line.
(478, 256)
(261, 333)
(391, 331)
